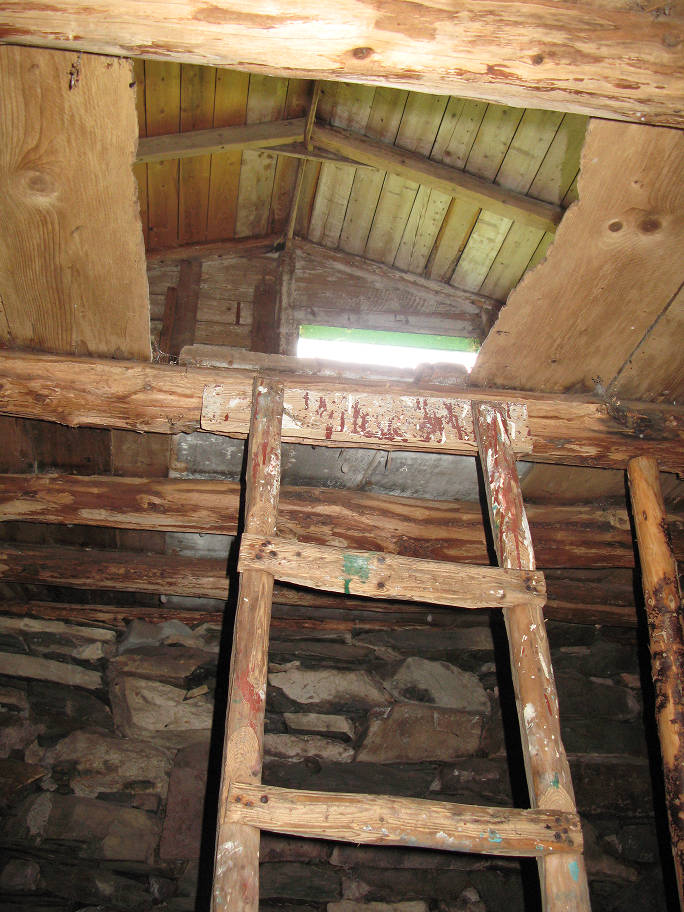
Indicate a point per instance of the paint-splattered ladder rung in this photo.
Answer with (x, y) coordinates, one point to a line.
(390, 576)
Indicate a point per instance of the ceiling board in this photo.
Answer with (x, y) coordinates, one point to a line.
(72, 258)
(614, 267)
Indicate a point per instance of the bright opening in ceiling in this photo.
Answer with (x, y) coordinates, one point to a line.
(386, 349)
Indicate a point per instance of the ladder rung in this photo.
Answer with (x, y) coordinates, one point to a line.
(415, 822)
(379, 575)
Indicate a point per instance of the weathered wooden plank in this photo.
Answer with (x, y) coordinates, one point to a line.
(327, 416)
(230, 109)
(440, 177)
(663, 599)
(563, 881)
(573, 430)
(562, 58)
(72, 258)
(162, 106)
(236, 863)
(415, 822)
(632, 255)
(220, 139)
(378, 575)
(198, 90)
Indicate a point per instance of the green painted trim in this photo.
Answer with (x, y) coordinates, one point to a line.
(395, 339)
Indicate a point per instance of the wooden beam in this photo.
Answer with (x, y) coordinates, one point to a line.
(72, 253)
(573, 430)
(414, 822)
(310, 120)
(450, 181)
(238, 247)
(564, 885)
(221, 139)
(663, 600)
(377, 575)
(236, 862)
(565, 536)
(180, 312)
(132, 571)
(523, 54)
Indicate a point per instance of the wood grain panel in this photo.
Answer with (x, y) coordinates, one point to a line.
(162, 111)
(72, 258)
(614, 267)
(198, 90)
(230, 109)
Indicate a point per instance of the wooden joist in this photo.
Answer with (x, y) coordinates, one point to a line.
(440, 177)
(354, 148)
(565, 536)
(407, 822)
(524, 54)
(376, 575)
(221, 139)
(663, 600)
(91, 392)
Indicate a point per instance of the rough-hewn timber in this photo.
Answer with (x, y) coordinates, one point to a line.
(385, 820)
(96, 393)
(526, 54)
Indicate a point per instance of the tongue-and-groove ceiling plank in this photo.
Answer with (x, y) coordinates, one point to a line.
(72, 258)
(362, 210)
(613, 270)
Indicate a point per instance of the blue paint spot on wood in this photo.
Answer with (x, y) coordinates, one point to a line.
(574, 870)
(494, 837)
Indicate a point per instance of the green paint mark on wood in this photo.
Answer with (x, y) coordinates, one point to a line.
(494, 837)
(574, 870)
(554, 782)
(355, 565)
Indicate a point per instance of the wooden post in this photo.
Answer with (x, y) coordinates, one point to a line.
(563, 880)
(236, 867)
(663, 600)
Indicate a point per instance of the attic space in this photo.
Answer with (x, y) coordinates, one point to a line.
(290, 634)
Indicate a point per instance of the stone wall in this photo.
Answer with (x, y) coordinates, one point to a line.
(106, 739)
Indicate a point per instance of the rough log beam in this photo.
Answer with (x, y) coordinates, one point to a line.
(560, 57)
(663, 600)
(565, 536)
(415, 822)
(571, 430)
(129, 571)
(437, 176)
(377, 575)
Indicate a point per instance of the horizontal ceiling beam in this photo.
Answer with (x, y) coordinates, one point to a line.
(201, 577)
(345, 147)
(604, 59)
(221, 139)
(564, 536)
(437, 176)
(571, 430)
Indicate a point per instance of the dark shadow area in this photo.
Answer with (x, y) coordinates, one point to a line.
(214, 767)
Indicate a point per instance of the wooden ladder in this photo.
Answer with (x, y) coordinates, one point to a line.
(549, 831)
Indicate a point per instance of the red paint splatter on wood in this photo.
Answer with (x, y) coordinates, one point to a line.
(453, 420)
(306, 399)
(322, 406)
(250, 694)
(341, 421)
(355, 417)
(328, 432)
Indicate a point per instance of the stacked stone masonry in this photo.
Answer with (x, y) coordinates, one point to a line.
(108, 739)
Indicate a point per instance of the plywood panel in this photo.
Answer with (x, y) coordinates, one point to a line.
(72, 258)
(614, 267)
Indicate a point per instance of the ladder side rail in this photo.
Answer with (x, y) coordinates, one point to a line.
(663, 603)
(236, 864)
(563, 879)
